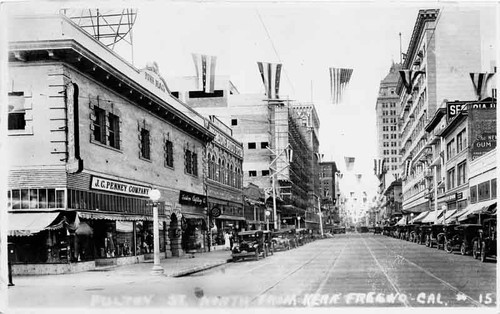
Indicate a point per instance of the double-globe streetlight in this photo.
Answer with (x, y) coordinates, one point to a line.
(154, 196)
(288, 151)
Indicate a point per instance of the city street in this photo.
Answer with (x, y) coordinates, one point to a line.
(353, 269)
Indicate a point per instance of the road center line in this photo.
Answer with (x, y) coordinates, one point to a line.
(433, 276)
(386, 275)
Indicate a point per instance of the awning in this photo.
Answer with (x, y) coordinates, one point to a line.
(228, 217)
(419, 218)
(455, 215)
(193, 216)
(433, 216)
(401, 222)
(448, 214)
(85, 229)
(116, 217)
(26, 224)
(477, 208)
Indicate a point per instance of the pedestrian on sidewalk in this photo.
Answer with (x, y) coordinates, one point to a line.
(227, 241)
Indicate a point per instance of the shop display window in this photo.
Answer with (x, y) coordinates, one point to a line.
(36, 198)
(124, 238)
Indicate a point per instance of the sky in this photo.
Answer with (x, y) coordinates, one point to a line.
(306, 38)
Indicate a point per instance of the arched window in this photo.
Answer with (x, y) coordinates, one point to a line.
(228, 174)
(213, 167)
(223, 172)
(210, 166)
(231, 176)
(218, 172)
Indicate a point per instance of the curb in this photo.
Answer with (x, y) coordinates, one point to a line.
(197, 269)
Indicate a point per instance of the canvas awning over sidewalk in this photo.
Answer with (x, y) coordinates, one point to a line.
(27, 224)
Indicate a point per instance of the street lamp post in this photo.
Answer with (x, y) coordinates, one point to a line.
(267, 218)
(154, 196)
(298, 221)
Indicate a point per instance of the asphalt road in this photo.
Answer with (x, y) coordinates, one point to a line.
(361, 270)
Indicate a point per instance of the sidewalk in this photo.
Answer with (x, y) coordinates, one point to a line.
(173, 266)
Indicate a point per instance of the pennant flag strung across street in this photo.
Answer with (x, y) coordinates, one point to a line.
(339, 78)
(349, 163)
(205, 71)
(480, 80)
(358, 177)
(409, 77)
(270, 73)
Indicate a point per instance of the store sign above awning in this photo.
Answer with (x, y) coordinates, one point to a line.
(108, 185)
(187, 198)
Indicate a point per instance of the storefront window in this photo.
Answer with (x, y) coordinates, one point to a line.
(144, 237)
(25, 204)
(16, 199)
(52, 198)
(124, 237)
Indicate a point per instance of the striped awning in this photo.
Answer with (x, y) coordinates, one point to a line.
(116, 217)
(420, 217)
(477, 208)
(401, 222)
(433, 216)
(27, 224)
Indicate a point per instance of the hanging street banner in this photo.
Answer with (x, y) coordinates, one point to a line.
(339, 78)
(270, 74)
(205, 71)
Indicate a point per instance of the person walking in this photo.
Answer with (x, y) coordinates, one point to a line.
(227, 241)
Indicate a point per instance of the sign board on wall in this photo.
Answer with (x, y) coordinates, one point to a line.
(482, 129)
(453, 108)
(108, 185)
(187, 198)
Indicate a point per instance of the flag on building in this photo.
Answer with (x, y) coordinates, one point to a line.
(349, 163)
(339, 78)
(406, 169)
(479, 81)
(271, 74)
(379, 166)
(205, 71)
(409, 77)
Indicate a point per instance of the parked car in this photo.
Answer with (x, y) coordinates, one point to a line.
(364, 229)
(461, 237)
(377, 230)
(424, 232)
(435, 236)
(485, 245)
(386, 230)
(281, 240)
(249, 244)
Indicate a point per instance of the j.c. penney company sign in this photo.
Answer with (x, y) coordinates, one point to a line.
(98, 183)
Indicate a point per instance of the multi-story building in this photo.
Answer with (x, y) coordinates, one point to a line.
(306, 117)
(387, 113)
(444, 48)
(260, 124)
(89, 136)
(224, 182)
(327, 177)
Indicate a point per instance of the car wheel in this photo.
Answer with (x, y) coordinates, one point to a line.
(462, 249)
(483, 252)
(475, 248)
(448, 247)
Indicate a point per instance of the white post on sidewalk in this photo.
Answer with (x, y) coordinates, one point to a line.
(320, 218)
(154, 195)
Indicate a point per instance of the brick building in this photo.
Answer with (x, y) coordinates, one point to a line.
(89, 137)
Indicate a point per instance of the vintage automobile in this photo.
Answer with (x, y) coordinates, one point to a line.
(377, 230)
(435, 236)
(338, 229)
(302, 236)
(281, 240)
(386, 230)
(485, 244)
(410, 232)
(461, 237)
(249, 244)
(424, 232)
(363, 229)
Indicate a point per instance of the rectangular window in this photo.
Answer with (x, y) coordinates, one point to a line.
(252, 173)
(483, 191)
(33, 198)
(51, 198)
(264, 145)
(473, 194)
(145, 144)
(451, 178)
(265, 173)
(42, 198)
(188, 161)
(461, 174)
(17, 114)
(16, 199)
(450, 149)
(169, 153)
(234, 121)
(194, 162)
(252, 145)
(494, 188)
(60, 198)
(114, 131)
(25, 201)
(100, 125)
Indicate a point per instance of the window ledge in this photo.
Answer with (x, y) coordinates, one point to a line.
(26, 131)
(105, 146)
(145, 159)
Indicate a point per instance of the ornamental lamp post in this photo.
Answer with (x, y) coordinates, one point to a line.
(267, 218)
(154, 196)
(298, 221)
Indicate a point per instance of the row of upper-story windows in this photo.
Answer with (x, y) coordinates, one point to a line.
(224, 172)
(390, 144)
(458, 176)
(389, 105)
(253, 145)
(390, 151)
(389, 112)
(387, 128)
(389, 120)
(253, 173)
(456, 144)
(390, 136)
(106, 130)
